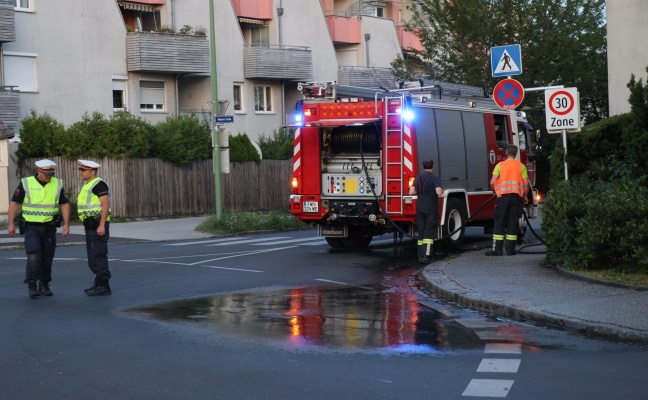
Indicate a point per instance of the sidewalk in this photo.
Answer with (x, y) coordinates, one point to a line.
(519, 287)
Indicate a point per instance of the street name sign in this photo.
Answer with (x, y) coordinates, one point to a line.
(506, 60)
(562, 110)
(223, 119)
(508, 94)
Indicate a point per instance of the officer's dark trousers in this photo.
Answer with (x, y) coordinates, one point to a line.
(97, 249)
(508, 210)
(40, 245)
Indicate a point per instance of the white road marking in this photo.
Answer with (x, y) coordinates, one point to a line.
(488, 388)
(232, 269)
(318, 239)
(12, 240)
(343, 283)
(503, 348)
(246, 241)
(55, 259)
(162, 260)
(504, 365)
(231, 239)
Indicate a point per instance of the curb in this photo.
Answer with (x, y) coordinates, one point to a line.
(439, 283)
(586, 278)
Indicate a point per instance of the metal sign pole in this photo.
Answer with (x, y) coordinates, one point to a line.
(564, 137)
(215, 139)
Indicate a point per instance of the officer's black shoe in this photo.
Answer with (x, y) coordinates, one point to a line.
(511, 253)
(44, 288)
(101, 289)
(93, 287)
(493, 253)
(33, 289)
(425, 260)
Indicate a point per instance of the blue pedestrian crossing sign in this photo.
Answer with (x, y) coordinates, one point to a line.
(506, 60)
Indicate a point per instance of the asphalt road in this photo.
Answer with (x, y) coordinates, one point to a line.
(281, 316)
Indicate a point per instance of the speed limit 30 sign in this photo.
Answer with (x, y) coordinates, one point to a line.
(562, 109)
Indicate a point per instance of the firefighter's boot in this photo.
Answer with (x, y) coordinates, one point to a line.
(93, 287)
(510, 247)
(497, 248)
(420, 249)
(44, 288)
(101, 289)
(32, 289)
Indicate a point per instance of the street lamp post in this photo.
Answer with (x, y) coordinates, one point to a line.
(214, 109)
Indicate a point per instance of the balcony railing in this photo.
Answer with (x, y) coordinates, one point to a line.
(254, 9)
(367, 77)
(278, 62)
(344, 27)
(167, 52)
(7, 23)
(9, 106)
(408, 40)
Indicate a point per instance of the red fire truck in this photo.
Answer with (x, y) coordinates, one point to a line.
(358, 150)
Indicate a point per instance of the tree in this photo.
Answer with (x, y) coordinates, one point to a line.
(563, 43)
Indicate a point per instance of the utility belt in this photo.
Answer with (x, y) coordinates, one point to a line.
(52, 225)
(92, 223)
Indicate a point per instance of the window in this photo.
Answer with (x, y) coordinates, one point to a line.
(260, 36)
(119, 94)
(23, 4)
(262, 98)
(238, 99)
(501, 131)
(20, 70)
(151, 95)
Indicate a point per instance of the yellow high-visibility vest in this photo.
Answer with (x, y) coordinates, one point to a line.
(41, 202)
(88, 203)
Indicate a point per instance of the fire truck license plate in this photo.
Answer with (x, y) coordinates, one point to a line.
(310, 206)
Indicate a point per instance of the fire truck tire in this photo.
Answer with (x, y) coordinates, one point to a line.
(522, 226)
(336, 243)
(455, 217)
(357, 239)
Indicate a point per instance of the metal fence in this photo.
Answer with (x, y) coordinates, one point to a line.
(149, 187)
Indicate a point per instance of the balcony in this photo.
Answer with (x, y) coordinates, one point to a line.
(278, 62)
(167, 52)
(9, 106)
(253, 9)
(344, 27)
(367, 77)
(7, 22)
(408, 40)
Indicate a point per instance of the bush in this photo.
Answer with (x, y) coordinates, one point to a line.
(279, 146)
(241, 149)
(40, 136)
(181, 140)
(597, 224)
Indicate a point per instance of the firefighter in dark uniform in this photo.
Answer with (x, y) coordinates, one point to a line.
(428, 188)
(94, 210)
(40, 196)
(510, 181)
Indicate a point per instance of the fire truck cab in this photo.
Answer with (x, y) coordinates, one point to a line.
(357, 151)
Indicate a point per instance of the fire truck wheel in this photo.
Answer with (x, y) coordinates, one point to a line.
(455, 217)
(522, 224)
(357, 239)
(336, 243)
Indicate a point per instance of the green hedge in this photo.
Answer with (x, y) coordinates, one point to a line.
(178, 140)
(591, 224)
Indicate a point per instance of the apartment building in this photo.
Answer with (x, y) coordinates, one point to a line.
(626, 21)
(152, 57)
(70, 57)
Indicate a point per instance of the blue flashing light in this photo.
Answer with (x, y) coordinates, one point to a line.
(408, 115)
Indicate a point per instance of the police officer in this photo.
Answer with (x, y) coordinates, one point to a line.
(428, 188)
(94, 210)
(40, 196)
(510, 181)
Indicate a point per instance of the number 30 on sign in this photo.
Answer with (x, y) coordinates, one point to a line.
(562, 109)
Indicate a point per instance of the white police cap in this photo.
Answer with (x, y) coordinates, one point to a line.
(45, 164)
(87, 164)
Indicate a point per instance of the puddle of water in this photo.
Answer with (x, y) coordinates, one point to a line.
(342, 318)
